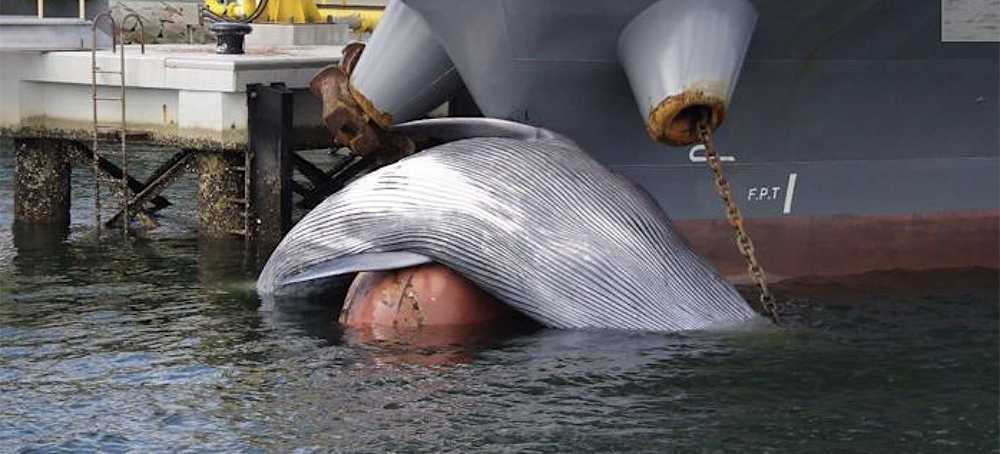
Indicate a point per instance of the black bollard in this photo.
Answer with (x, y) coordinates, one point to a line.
(229, 37)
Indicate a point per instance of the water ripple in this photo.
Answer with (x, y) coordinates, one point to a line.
(158, 346)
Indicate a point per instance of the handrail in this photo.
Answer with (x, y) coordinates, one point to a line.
(142, 31)
(114, 35)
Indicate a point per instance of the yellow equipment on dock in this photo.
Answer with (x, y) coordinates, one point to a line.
(295, 12)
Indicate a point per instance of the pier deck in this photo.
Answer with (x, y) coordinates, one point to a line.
(237, 120)
(177, 95)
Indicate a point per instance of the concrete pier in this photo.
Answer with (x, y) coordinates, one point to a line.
(219, 109)
(41, 182)
(178, 96)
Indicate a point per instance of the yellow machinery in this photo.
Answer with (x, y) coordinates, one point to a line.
(293, 12)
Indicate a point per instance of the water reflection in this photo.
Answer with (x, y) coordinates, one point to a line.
(40, 249)
(433, 345)
(160, 344)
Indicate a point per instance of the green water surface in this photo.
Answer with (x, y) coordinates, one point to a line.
(157, 344)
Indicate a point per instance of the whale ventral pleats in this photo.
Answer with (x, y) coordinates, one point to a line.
(529, 218)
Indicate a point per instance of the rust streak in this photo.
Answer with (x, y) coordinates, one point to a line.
(675, 120)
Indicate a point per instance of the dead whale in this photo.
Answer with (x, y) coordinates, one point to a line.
(527, 216)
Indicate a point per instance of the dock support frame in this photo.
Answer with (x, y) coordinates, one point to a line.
(269, 109)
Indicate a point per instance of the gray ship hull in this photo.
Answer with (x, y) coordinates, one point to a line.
(858, 139)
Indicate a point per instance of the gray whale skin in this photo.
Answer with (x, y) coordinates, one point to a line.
(526, 215)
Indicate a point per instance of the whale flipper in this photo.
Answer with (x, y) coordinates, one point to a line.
(371, 261)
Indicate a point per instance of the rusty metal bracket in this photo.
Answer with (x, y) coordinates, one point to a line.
(352, 118)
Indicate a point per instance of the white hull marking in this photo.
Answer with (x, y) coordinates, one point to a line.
(790, 192)
(694, 156)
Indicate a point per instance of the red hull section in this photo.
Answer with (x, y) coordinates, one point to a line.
(797, 246)
(414, 297)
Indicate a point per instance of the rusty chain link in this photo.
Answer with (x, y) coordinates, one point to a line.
(743, 242)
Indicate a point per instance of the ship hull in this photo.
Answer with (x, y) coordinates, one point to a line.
(839, 245)
(857, 138)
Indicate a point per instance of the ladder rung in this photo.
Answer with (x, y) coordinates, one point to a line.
(114, 98)
(242, 232)
(238, 168)
(105, 71)
(106, 125)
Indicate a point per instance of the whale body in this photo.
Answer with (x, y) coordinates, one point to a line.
(526, 215)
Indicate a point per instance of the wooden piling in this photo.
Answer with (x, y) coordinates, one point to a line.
(220, 189)
(41, 182)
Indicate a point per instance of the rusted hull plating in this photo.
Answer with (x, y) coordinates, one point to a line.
(798, 246)
(419, 296)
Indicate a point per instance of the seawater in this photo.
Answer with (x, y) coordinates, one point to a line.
(157, 344)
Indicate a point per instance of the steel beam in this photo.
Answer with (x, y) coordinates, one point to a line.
(269, 112)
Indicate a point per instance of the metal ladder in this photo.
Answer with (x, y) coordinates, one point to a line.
(119, 129)
(246, 232)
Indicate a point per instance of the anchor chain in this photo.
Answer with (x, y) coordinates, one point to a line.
(743, 242)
